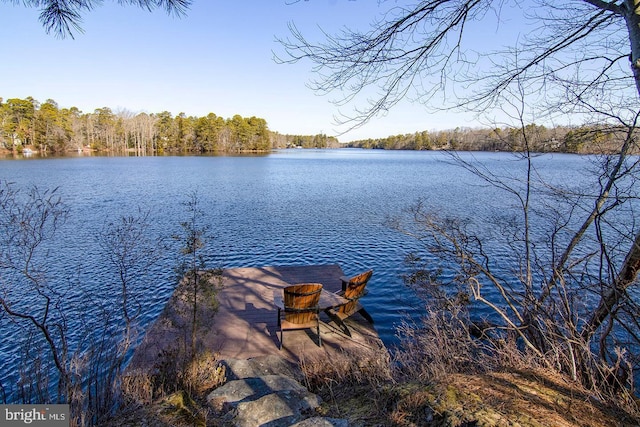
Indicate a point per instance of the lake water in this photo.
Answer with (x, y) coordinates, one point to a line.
(291, 207)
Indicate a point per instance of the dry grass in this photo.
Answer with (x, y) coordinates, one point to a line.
(361, 367)
(137, 389)
(429, 385)
(350, 384)
(520, 398)
(525, 398)
(364, 389)
(174, 395)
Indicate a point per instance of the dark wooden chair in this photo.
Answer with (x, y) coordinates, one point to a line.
(299, 309)
(353, 288)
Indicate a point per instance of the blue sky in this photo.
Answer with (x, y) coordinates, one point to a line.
(218, 58)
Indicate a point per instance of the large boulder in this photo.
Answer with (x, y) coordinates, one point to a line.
(322, 422)
(234, 392)
(260, 366)
(266, 391)
(272, 400)
(282, 408)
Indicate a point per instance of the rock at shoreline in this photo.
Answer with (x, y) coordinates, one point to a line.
(265, 391)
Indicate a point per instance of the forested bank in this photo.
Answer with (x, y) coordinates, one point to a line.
(587, 139)
(47, 128)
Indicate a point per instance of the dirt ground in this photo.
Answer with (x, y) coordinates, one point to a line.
(525, 399)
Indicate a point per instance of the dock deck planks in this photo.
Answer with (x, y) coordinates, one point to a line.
(245, 324)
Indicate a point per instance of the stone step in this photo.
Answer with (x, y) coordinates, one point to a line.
(266, 391)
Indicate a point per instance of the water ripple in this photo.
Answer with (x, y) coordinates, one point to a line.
(289, 208)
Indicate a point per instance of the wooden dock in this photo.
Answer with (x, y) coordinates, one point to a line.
(244, 324)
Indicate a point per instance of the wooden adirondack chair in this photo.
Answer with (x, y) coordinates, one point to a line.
(353, 288)
(299, 309)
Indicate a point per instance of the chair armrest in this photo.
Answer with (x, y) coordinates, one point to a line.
(345, 282)
(278, 301)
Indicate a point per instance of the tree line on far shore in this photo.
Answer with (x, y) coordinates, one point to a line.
(47, 128)
(564, 139)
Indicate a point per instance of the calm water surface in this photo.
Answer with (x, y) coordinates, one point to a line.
(291, 207)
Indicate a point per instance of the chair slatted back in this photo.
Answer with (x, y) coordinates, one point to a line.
(301, 302)
(355, 289)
